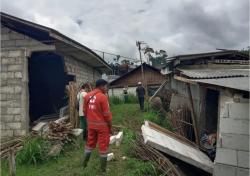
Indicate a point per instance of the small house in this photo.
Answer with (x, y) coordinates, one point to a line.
(214, 87)
(37, 63)
(152, 76)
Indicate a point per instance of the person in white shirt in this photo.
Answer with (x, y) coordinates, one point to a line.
(80, 98)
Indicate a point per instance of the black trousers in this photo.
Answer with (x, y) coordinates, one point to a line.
(141, 102)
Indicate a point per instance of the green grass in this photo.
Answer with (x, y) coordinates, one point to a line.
(127, 116)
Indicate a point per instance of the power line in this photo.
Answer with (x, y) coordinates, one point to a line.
(104, 52)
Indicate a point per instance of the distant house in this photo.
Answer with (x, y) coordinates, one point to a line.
(153, 79)
(217, 84)
(37, 63)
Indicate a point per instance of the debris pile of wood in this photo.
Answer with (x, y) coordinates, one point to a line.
(59, 131)
(9, 146)
(148, 153)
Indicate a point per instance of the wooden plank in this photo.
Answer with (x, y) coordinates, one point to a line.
(12, 163)
(176, 148)
(158, 90)
(193, 114)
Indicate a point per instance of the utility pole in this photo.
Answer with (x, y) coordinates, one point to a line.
(138, 44)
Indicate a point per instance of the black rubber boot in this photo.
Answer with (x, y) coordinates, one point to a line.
(103, 164)
(86, 159)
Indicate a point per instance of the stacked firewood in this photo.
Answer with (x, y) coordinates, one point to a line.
(59, 131)
(148, 153)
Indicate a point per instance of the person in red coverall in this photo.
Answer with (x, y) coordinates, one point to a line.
(99, 117)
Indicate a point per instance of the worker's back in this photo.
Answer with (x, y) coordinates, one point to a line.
(97, 109)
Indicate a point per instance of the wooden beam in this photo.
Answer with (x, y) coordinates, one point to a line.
(158, 90)
(179, 78)
(193, 114)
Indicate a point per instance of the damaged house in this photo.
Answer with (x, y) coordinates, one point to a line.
(152, 76)
(210, 102)
(37, 63)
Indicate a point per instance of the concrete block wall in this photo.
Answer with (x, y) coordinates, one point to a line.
(14, 82)
(82, 71)
(232, 155)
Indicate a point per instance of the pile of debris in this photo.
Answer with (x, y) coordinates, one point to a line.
(59, 131)
(161, 144)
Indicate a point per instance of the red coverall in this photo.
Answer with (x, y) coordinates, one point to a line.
(96, 108)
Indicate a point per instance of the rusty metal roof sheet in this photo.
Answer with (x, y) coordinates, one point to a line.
(214, 73)
(239, 83)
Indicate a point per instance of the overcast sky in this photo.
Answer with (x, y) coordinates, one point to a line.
(177, 26)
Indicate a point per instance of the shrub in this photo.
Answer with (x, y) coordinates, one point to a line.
(34, 151)
(132, 98)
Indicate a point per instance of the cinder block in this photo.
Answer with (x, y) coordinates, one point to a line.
(19, 133)
(10, 103)
(239, 110)
(14, 111)
(6, 133)
(15, 67)
(235, 141)
(5, 30)
(118, 138)
(14, 35)
(243, 159)
(226, 156)
(4, 53)
(110, 156)
(14, 125)
(242, 172)
(7, 118)
(15, 53)
(18, 89)
(8, 43)
(228, 125)
(7, 89)
(17, 118)
(224, 170)
(18, 74)
(5, 37)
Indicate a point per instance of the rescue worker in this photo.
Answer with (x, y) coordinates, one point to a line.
(80, 98)
(140, 91)
(99, 117)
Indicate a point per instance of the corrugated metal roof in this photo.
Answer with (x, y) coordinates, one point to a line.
(214, 73)
(239, 83)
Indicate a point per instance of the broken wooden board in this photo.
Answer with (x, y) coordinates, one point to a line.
(39, 127)
(171, 145)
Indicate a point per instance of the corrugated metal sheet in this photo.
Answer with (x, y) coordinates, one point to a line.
(214, 73)
(239, 83)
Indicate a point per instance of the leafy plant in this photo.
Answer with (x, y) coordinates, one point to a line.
(34, 151)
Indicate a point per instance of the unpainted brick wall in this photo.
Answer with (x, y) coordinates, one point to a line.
(232, 155)
(13, 97)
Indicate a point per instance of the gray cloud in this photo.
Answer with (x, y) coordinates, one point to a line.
(180, 26)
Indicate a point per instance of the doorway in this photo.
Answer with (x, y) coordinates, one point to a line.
(47, 81)
(211, 113)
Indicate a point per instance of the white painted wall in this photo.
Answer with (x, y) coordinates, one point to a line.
(119, 91)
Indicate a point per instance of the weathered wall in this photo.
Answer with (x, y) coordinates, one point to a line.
(119, 91)
(82, 71)
(15, 49)
(180, 97)
(232, 155)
